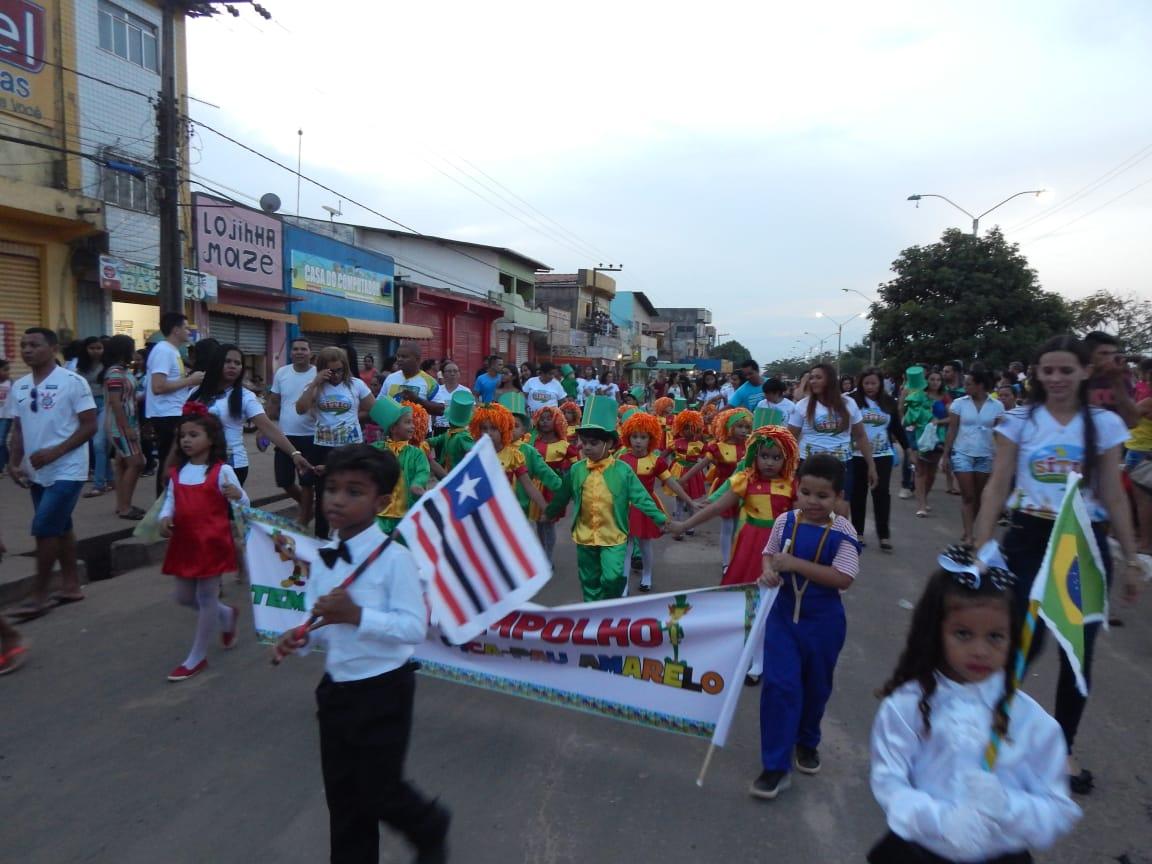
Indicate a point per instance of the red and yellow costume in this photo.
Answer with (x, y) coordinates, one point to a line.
(687, 447)
(650, 468)
(662, 408)
(557, 455)
(763, 500)
(499, 417)
(725, 454)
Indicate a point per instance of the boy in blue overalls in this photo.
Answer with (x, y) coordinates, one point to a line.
(812, 555)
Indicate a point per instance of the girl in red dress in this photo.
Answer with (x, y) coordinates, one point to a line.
(550, 439)
(662, 408)
(195, 516)
(730, 430)
(687, 446)
(640, 430)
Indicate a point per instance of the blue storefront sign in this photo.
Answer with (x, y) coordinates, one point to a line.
(328, 277)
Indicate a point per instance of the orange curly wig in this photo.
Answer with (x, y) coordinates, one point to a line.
(776, 436)
(646, 423)
(688, 420)
(559, 421)
(725, 420)
(624, 409)
(709, 413)
(663, 406)
(420, 421)
(571, 413)
(496, 415)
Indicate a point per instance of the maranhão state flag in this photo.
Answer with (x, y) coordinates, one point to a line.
(1070, 586)
(475, 547)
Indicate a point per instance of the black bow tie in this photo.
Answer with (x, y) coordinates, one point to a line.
(331, 556)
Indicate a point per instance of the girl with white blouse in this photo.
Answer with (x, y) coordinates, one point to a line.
(950, 691)
(1037, 446)
(968, 447)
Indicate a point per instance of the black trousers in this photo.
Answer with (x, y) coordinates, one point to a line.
(881, 495)
(1024, 547)
(892, 849)
(364, 731)
(164, 430)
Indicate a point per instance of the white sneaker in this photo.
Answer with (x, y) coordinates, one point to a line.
(905, 494)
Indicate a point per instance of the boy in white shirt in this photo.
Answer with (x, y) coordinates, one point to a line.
(370, 629)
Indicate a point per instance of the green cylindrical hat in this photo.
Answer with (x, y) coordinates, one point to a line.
(915, 379)
(631, 412)
(567, 369)
(768, 417)
(515, 403)
(459, 412)
(679, 405)
(600, 412)
(638, 392)
(387, 411)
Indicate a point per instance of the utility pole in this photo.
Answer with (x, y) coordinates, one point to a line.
(167, 158)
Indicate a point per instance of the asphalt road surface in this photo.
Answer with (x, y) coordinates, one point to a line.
(102, 760)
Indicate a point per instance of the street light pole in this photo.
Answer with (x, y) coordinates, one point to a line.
(975, 219)
(871, 329)
(839, 335)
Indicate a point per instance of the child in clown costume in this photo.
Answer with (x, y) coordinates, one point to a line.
(539, 473)
(398, 423)
(687, 447)
(730, 431)
(602, 489)
(640, 432)
(497, 422)
(662, 409)
(549, 439)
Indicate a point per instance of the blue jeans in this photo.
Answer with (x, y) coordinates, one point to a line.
(5, 426)
(100, 460)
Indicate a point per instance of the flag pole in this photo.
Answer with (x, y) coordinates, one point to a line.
(992, 751)
(707, 762)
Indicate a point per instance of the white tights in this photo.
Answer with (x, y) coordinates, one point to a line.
(203, 595)
(645, 547)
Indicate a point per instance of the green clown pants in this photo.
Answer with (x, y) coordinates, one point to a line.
(602, 573)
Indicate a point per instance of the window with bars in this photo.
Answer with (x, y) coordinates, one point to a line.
(127, 36)
(132, 189)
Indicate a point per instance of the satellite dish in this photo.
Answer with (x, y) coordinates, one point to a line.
(269, 202)
(651, 362)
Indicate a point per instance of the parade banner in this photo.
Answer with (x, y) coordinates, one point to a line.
(669, 661)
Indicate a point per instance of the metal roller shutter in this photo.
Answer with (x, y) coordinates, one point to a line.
(19, 301)
(367, 345)
(521, 348)
(468, 343)
(252, 335)
(431, 317)
(318, 340)
(225, 329)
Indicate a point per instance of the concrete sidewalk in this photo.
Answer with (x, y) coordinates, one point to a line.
(106, 545)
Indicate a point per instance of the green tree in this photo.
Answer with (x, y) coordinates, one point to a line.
(967, 298)
(1127, 317)
(731, 350)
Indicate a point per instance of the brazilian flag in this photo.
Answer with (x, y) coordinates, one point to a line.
(1071, 588)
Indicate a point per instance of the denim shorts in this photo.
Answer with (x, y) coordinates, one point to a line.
(54, 505)
(964, 464)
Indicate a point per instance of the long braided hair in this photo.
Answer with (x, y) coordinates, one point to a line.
(923, 654)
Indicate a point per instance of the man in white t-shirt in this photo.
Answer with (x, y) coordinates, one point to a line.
(590, 386)
(168, 386)
(288, 384)
(544, 390)
(410, 384)
(54, 412)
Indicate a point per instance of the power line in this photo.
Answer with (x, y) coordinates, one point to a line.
(1090, 212)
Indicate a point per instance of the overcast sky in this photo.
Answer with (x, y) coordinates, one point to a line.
(750, 158)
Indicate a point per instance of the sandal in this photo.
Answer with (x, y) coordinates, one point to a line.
(12, 660)
(135, 514)
(65, 599)
(921, 514)
(95, 492)
(885, 546)
(30, 612)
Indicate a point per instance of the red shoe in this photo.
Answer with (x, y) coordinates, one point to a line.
(228, 637)
(183, 673)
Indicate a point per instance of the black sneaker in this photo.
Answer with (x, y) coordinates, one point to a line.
(751, 680)
(807, 759)
(770, 784)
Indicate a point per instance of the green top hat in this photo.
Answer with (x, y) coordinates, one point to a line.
(566, 369)
(600, 412)
(637, 393)
(387, 411)
(768, 417)
(916, 379)
(679, 405)
(631, 412)
(515, 403)
(459, 412)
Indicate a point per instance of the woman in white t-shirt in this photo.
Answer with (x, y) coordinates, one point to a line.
(338, 400)
(969, 447)
(709, 391)
(1038, 445)
(828, 422)
(234, 405)
(608, 386)
(451, 372)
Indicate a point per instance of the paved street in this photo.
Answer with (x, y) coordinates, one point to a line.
(102, 760)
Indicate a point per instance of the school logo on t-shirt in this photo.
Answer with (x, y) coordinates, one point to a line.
(827, 423)
(1053, 463)
(335, 405)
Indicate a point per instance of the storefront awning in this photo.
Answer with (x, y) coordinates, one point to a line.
(252, 312)
(315, 321)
